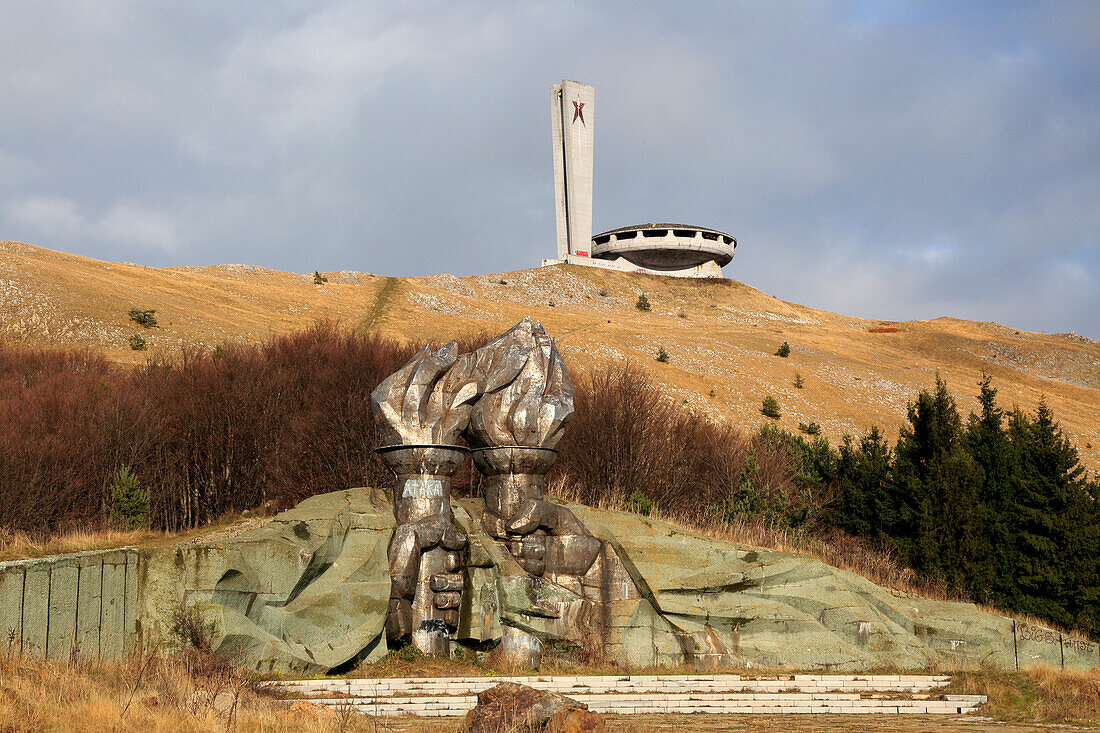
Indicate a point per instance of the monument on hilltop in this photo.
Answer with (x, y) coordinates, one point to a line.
(680, 250)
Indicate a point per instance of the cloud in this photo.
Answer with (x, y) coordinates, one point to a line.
(125, 223)
(48, 216)
(890, 161)
(129, 223)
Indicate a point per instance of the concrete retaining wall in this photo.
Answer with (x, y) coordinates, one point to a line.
(81, 604)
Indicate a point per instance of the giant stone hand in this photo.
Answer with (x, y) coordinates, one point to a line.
(411, 542)
(554, 541)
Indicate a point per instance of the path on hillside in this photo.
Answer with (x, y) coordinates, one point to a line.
(721, 336)
(379, 306)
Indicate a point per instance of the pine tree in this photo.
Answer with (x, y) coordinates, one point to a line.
(987, 442)
(866, 506)
(129, 501)
(1055, 538)
(937, 483)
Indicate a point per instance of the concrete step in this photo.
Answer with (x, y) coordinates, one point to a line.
(668, 683)
(460, 705)
(832, 694)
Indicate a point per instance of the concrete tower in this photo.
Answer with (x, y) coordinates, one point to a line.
(676, 250)
(571, 112)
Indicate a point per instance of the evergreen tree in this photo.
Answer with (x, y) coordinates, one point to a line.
(936, 485)
(865, 506)
(1055, 538)
(129, 501)
(1088, 572)
(989, 445)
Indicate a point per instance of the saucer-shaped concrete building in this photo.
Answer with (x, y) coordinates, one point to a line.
(665, 247)
(681, 250)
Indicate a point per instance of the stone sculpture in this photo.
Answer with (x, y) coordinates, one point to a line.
(510, 399)
(513, 432)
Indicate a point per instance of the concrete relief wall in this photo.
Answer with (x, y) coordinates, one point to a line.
(1037, 645)
(76, 605)
(318, 585)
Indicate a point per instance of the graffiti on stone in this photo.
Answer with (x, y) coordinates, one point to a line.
(1031, 632)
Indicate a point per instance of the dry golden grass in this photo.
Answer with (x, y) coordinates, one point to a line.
(1041, 695)
(721, 336)
(140, 694)
(18, 545)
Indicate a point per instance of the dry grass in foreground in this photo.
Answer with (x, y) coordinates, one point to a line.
(17, 545)
(190, 692)
(1042, 695)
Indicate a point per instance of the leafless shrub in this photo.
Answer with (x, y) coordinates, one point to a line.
(251, 425)
(627, 437)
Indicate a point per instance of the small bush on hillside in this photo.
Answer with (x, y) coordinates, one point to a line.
(643, 303)
(129, 501)
(639, 503)
(810, 428)
(602, 293)
(798, 381)
(784, 350)
(137, 342)
(662, 355)
(770, 407)
(318, 278)
(145, 318)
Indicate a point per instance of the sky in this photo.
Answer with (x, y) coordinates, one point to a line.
(891, 160)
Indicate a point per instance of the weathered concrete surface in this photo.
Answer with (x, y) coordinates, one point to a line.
(306, 592)
(309, 591)
(731, 604)
(89, 609)
(112, 629)
(70, 605)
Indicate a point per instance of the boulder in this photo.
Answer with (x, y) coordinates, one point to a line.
(520, 709)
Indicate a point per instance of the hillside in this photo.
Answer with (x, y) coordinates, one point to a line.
(721, 336)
